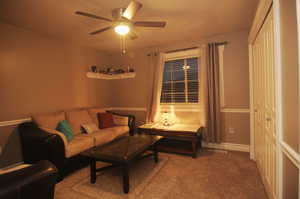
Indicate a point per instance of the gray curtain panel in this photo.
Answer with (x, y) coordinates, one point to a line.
(155, 87)
(213, 114)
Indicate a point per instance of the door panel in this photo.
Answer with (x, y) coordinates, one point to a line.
(264, 104)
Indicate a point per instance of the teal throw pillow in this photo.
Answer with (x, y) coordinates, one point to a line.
(65, 128)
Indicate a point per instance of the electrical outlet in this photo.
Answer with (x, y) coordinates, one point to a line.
(231, 130)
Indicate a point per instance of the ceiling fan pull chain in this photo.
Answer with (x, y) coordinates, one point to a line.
(123, 37)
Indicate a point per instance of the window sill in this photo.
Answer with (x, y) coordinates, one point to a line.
(181, 107)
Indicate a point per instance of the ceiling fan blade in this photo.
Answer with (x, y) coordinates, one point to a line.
(132, 35)
(132, 9)
(117, 13)
(154, 24)
(101, 30)
(92, 16)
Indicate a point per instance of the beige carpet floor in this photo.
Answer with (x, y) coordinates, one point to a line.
(213, 175)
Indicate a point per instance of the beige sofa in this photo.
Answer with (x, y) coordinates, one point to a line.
(40, 140)
(82, 141)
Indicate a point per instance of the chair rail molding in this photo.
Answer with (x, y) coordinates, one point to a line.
(225, 110)
(292, 155)
(128, 108)
(235, 110)
(20, 121)
(14, 122)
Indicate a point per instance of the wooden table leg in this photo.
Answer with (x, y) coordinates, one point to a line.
(194, 147)
(93, 170)
(155, 151)
(125, 178)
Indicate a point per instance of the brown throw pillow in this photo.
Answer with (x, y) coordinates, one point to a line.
(105, 120)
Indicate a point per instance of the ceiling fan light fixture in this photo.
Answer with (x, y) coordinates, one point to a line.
(122, 29)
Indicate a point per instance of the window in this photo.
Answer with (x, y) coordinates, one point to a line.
(180, 84)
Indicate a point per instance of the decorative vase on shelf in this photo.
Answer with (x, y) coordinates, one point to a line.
(94, 69)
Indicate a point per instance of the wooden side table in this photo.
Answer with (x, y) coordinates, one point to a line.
(189, 133)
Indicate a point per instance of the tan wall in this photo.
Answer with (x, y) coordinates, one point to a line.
(290, 179)
(10, 146)
(135, 92)
(39, 74)
(290, 78)
(240, 124)
(132, 92)
(290, 89)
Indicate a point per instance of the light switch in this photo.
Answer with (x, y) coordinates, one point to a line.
(231, 130)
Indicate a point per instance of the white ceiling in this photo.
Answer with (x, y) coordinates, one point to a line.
(187, 20)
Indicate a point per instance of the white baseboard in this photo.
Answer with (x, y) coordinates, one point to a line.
(228, 146)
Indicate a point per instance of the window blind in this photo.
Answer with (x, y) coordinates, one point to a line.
(180, 81)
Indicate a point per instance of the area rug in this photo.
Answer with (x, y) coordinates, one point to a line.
(213, 175)
(109, 184)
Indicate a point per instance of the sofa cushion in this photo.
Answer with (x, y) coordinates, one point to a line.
(65, 128)
(94, 114)
(120, 120)
(90, 128)
(120, 130)
(78, 145)
(102, 136)
(106, 135)
(49, 120)
(105, 120)
(76, 118)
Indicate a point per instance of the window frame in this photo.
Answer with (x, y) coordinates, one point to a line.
(186, 54)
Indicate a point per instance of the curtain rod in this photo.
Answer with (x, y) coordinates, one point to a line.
(183, 49)
(191, 48)
(222, 43)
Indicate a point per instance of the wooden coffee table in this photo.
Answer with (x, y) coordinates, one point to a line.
(189, 133)
(121, 153)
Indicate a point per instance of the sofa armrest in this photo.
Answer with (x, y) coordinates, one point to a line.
(131, 121)
(61, 135)
(20, 183)
(200, 131)
(38, 144)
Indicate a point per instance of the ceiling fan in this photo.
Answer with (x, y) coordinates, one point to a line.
(122, 20)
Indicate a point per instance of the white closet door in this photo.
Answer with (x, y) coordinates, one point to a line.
(264, 104)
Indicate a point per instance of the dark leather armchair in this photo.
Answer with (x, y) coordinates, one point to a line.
(39, 145)
(36, 181)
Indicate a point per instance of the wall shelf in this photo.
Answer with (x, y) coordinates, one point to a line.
(107, 76)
